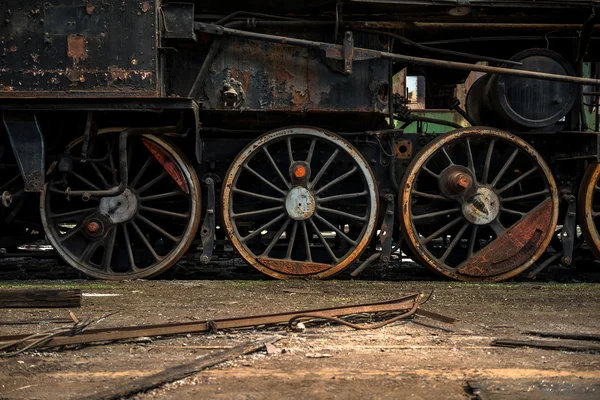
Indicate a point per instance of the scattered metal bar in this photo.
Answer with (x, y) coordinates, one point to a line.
(130, 332)
(564, 335)
(546, 344)
(337, 52)
(180, 371)
(40, 298)
(38, 321)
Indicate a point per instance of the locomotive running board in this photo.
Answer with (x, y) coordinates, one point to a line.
(130, 332)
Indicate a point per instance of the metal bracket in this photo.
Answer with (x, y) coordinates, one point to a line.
(348, 52)
(387, 228)
(207, 232)
(86, 136)
(27, 143)
(568, 233)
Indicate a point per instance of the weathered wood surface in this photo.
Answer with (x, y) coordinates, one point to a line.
(40, 298)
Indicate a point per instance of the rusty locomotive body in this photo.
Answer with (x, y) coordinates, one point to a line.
(134, 131)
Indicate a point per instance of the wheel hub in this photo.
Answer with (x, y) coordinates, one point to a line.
(119, 209)
(482, 208)
(300, 203)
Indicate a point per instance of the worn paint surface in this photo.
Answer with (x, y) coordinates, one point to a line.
(279, 77)
(78, 48)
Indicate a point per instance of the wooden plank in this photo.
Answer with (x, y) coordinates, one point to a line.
(180, 371)
(40, 298)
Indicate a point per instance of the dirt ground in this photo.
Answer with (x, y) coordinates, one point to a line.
(404, 360)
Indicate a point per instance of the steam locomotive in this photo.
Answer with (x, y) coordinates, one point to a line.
(136, 131)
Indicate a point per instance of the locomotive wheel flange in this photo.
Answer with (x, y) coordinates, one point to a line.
(589, 208)
(478, 204)
(138, 234)
(300, 202)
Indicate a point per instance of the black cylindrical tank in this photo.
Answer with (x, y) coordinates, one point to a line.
(519, 102)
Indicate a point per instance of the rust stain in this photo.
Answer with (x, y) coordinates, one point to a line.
(514, 247)
(117, 74)
(293, 267)
(76, 48)
(90, 9)
(145, 6)
(168, 164)
(13, 48)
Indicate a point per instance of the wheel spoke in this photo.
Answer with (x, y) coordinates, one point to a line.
(513, 212)
(525, 196)
(257, 212)
(132, 265)
(258, 195)
(342, 213)
(324, 168)
(447, 155)
(165, 212)
(454, 241)
(311, 151)
(324, 241)
(505, 167)
(108, 249)
(90, 250)
(306, 242)
(430, 195)
(472, 239)
(99, 175)
(264, 180)
(152, 182)
(275, 238)
(497, 227)
(275, 167)
(161, 196)
(289, 149)
(335, 229)
(71, 233)
(292, 240)
(138, 176)
(337, 180)
(430, 172)
(488, 162)
(342, 197)
(470, 162)
(519, 179)
(441, 230)
(71, 213)
(262, 228)
(113, 170)
(435, 214)
(84, 180)
(157, 228)
(137, 229)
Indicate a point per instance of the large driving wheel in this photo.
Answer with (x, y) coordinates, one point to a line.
(300, 202)
(478, 204)
(137, 234)
(589, 208)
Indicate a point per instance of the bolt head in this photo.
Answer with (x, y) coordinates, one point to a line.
(93, 227)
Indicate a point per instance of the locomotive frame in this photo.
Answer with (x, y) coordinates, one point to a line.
(120, 114)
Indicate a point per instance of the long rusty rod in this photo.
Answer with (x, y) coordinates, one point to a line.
(336, 51)
(130, 332)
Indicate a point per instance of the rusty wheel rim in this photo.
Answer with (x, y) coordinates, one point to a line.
(138, 234)
(589, 208)
(300, 202)
(478, 204)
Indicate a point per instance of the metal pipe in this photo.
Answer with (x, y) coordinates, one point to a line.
(210, 57)
(459, 25)
(336, 51)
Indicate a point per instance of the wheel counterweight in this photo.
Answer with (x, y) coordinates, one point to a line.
(139, 233)
(478, 204)
(300, 202)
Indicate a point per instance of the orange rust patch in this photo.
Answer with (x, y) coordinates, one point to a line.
(168, 164)
(90, 9)
(118, 73)
(76, 48)
(514, 247)
(293, 267)
(145, 6)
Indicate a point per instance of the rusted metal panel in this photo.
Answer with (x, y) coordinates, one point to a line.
(79, 49)
(260, 76)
